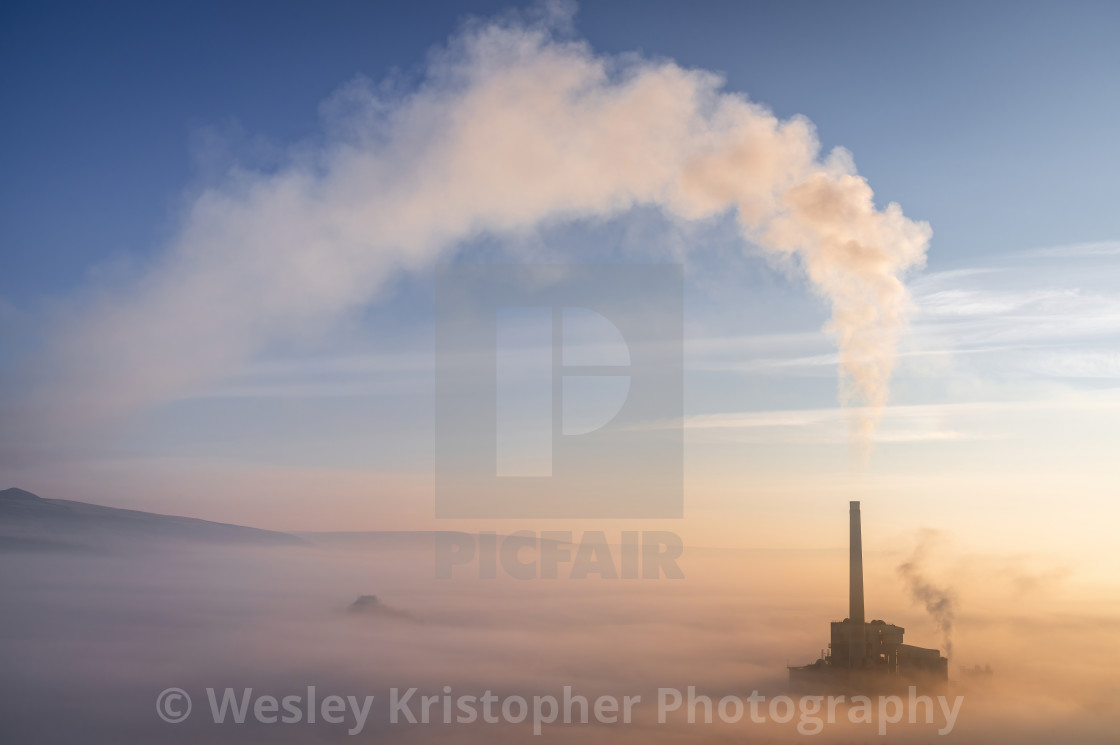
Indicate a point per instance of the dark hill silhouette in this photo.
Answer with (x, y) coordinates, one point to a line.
(371, 605)
(29, 522)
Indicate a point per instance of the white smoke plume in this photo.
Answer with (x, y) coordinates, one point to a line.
(513, 125)
(939, 602)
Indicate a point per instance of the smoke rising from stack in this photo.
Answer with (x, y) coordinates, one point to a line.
(939, 602)
(514, 126)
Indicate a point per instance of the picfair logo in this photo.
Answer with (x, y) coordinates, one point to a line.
(559, 391)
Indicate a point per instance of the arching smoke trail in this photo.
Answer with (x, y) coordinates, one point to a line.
(511, 127)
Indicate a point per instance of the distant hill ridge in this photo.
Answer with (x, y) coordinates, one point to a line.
(14, 493)
(27, 521)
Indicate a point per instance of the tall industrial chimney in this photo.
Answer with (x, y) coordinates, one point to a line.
(858, 644)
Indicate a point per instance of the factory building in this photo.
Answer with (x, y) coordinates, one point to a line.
(867, 656)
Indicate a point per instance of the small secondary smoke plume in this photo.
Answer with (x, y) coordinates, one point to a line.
(939, 602)
(514, 125)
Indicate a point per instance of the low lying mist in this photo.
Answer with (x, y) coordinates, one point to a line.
(91, 638)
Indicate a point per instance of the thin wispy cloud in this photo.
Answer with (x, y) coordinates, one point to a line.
(900, 423)
(1074, 250)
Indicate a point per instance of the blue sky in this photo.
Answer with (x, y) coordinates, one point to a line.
(995, 123)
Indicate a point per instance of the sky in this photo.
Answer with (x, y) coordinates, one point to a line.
(139, 139)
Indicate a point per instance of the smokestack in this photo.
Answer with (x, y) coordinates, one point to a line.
(855, 588)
